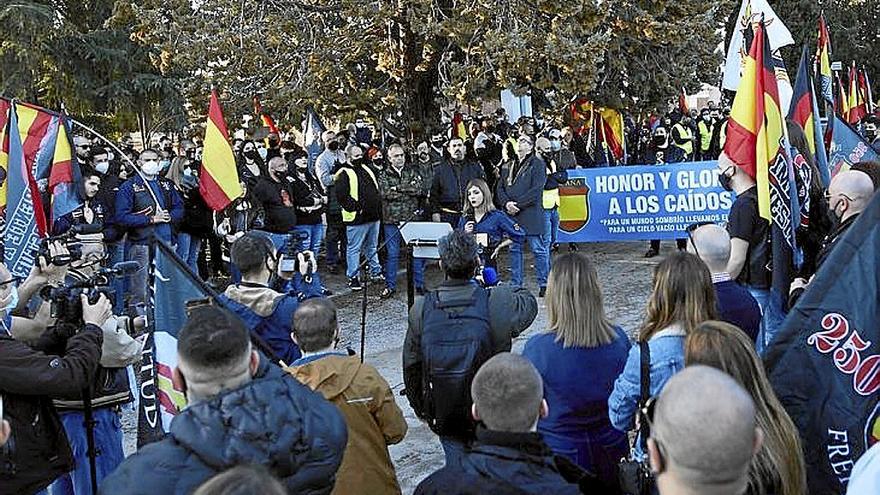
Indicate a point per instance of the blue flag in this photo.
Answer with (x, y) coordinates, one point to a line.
(173, 288)
(847, 147)
(312, 136)
(824, 362)
(21, 235)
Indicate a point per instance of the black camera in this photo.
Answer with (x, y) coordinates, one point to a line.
(66, 306)
(290, 262)
(71, 243)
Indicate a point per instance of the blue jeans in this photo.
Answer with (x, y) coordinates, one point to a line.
(362, 238)
(393, 240)
(551, 224)
(137, 282)
(454, 451)
(311, 237)
(771, 318)
(188, 247)
(539, 246)
(108, 444)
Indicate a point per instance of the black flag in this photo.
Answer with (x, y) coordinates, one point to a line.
(824, 363)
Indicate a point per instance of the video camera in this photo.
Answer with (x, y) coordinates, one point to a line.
(70, 241)
(293, 257)
(65, 300)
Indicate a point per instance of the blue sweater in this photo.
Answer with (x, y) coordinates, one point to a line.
(577, 384)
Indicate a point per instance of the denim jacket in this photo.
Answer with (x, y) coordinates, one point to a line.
(667, 358)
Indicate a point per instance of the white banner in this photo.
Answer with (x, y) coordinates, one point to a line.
(750, 12)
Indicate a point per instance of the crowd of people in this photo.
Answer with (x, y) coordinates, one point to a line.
(302, 416)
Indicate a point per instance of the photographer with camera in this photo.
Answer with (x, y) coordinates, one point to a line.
(37, 450)
(112, 386)
(257, 300)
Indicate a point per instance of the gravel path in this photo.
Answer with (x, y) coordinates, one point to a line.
(626, 281)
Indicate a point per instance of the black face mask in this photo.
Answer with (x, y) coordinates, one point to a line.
(333, 146)
(725, 182)
(273, 143)
(356, 161)
(253, 155)
(832, 217)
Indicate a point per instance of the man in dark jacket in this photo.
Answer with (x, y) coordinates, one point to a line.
(511, 309)
(275, 195)
(508, 452)
(519, 192)
(241, 410)
(448, 189)
(735, 305)
(37, 451)
(357, 190)
(146, 204)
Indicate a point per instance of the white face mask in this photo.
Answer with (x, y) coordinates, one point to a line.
(11, 300)
(102, 167)
(150, 167)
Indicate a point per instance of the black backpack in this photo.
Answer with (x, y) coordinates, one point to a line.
(456, 341)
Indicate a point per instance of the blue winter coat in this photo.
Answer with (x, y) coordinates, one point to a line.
(135, 206)
(274, 421)
(577, 384)
(526, 189)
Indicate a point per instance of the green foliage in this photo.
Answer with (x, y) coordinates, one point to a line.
(854, 26)
(408, 58)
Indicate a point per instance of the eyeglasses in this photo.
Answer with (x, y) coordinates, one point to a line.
(827, 195)
(11, 281)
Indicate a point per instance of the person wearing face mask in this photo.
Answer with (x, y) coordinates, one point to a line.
(376, 159)
(250, 164)
(682, 137)
(749, 260)
(705, 129)
(325, 166)
(31, 373)
(437, 148)
(869, 130)
(107, 172)
(147, 205)
(848, 195)
(197, 224)
(487, 148)
(310, 201)
(274, 194)
(357, 191)
(556, 175)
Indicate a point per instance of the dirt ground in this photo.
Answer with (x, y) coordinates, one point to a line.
(625, 277)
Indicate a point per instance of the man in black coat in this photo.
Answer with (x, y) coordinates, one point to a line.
(449, 187)
(37, 451)
(241, 410)
(509, 455)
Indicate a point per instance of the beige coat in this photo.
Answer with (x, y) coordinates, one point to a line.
(373, 418)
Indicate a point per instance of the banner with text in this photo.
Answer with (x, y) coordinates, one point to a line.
(640, 202)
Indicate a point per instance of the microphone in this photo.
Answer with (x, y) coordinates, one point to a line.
(489, 276)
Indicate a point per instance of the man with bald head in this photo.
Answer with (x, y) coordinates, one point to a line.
(847, 197)
(274, 194)
(703, 434)
(736, 305)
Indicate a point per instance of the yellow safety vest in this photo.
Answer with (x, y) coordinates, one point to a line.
(688, 146)
(705, 136)
(349, 216)
(550, 197)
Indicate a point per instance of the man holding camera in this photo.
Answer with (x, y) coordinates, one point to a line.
(265, 310)
(58, 363)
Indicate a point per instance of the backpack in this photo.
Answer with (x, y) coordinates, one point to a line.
(456, 341)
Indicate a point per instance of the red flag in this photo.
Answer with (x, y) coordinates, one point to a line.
(682, 103)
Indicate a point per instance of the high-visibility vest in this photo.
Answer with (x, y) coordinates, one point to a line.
(349, 216)
(550, 197)
(705, 136)
(684, 132)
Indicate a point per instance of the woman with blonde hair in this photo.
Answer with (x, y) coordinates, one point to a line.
(481, 217)
(778, 468)
(682, 297)
(579, 358)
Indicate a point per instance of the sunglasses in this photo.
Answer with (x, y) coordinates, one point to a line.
(690, 231)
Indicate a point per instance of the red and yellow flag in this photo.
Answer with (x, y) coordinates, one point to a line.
(754, 131)
(458, 128)
(612, 131)
(219, 183)
(841, 105)
(856, 102)
(265, 118)
(4, 152)
(823, 55)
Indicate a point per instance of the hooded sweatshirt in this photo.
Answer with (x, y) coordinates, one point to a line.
(373, 418)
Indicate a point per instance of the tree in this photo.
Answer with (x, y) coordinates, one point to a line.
(405, 59)
(854, 26)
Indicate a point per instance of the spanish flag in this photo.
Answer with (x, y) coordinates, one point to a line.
(218, 182)
(611, 125)
(4, 152)
(757, 144)
(265, 118)
(856, 102)
(841, 105)
(458, 128)
(823, 56)
(754, 131)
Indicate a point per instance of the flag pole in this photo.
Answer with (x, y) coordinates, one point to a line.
(121, 153)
